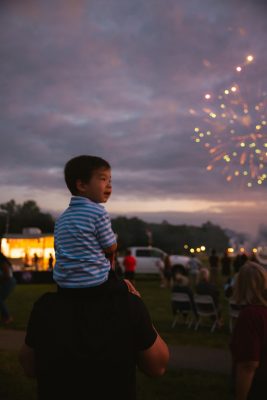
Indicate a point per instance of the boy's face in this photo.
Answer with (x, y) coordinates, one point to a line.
(98, 188)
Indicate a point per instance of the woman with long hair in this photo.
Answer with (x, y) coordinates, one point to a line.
(249, 339)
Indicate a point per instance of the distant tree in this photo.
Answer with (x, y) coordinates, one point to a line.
(130, 232)
(24, 215)
(168, 237)
(215, 236)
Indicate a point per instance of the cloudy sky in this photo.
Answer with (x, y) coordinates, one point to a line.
(126, 80)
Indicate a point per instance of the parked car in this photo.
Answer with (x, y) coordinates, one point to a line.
(147, 259)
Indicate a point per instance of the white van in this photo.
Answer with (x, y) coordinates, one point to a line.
(147, 259)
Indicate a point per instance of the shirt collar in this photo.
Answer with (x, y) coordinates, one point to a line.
(79, 200)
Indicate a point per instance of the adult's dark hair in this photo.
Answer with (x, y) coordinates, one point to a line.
(4, 259)
(82, 167)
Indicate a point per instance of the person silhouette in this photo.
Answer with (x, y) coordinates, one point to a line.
(50, 262)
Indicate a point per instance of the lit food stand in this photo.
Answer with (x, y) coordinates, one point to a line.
(29, 254)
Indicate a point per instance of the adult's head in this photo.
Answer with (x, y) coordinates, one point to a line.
(81, 169)
(251, 284)
(3, 258)
(181, 280)
(225, 253)
(204, 275)
(261, 255)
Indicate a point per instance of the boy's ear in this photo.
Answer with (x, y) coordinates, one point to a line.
(80, 186)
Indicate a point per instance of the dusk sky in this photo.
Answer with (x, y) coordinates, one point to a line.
(126, 80)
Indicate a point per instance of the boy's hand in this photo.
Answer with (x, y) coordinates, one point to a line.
(131, 288)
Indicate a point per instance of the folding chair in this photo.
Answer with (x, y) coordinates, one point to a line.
(182, 307)
(234, 310)
(205, 309)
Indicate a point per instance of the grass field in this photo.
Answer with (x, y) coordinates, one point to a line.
(183, 384)
(157, 300)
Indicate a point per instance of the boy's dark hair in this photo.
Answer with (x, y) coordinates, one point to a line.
(82, 167)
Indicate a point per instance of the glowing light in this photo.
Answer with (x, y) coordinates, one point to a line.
(212, 115)
(186, 246)
(202, 248)
(254, 250)
(207, 96)
(239, 69)
(250, 58)
(192, 250)
(230, 250)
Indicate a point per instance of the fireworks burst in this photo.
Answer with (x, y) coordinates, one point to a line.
(234, 130)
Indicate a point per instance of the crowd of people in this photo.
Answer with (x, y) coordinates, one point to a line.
(246, 285)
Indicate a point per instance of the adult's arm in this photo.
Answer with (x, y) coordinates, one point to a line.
(154, 360)
(245, 372)
(26, 359)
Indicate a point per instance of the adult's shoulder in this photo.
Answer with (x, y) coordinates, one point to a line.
(144, 332)
(137, 305)
(135, 300)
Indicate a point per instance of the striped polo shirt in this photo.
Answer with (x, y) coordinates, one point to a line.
(81, 234)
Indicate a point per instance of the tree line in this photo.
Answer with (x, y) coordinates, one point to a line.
(130, 231)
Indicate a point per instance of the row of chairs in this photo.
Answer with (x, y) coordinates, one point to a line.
(205, 308)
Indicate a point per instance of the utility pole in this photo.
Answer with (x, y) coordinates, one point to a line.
(149, 237)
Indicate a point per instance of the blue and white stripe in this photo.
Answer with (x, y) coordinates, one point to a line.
(81, 234)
